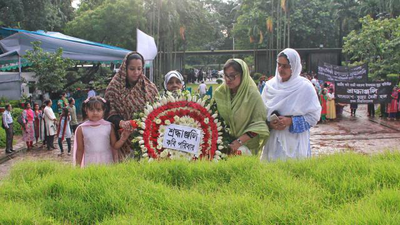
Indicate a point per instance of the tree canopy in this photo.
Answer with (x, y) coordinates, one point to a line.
(377, 44)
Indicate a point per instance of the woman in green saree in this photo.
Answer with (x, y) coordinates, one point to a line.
(240, 105)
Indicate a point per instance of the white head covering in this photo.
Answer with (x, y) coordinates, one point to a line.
(295, 97)
(171, 74)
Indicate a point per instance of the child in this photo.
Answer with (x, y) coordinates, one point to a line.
(323, 100)
(95, 139)
(64, 130)
(36, 122)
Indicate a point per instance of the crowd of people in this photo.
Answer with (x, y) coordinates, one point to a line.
(272, 119)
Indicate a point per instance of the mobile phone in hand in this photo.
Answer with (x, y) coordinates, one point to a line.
(274, 117)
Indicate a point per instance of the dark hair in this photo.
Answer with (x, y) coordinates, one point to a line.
(8, 106)
(42, 106)
(62, 94)
(134, 56)
(70, 100)
(65, 112)
(282, 54)
(93, 103)
(26, 104)
(235, 65)
(46, 102)
(35, 104)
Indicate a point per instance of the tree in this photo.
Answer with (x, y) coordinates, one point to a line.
(49, 15)
(377, 44)
(113, 22)
(50, 68)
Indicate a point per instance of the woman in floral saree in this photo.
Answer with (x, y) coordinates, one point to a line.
(127, 93)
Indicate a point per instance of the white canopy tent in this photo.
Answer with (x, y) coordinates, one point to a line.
(16, 42)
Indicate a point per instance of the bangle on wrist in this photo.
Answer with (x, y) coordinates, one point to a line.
(240, 142)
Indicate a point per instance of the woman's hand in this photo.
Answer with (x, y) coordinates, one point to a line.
(281, 123)
(126, 125)
(234, 146)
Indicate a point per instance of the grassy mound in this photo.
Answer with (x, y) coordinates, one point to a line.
(338, 189)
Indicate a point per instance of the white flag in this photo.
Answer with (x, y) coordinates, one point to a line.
(146, 45)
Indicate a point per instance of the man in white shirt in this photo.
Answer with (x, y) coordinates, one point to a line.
(91, 93)
(50, 120)
(202, 89)
(8, 126)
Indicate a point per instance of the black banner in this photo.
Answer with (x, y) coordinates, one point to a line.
(329, 72)
(363, 93)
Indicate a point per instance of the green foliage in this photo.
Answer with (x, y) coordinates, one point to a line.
(394, 78)
(111, 22)
(219, 81)
(35, 15)
(16, 112)
(2, 136)
(377, 44)
(50, 68)
(256, 77)
(338, 189)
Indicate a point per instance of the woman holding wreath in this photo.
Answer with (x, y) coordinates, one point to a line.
(240, 105)
(127, 93)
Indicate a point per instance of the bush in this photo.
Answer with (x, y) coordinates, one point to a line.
(15, 113)
(256, 77)
(337, 189)
(219, 81)
(394, 78)
(2, 138)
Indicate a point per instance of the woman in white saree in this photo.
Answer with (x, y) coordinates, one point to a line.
(293, 99)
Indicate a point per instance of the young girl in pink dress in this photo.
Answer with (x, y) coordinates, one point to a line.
(95, 139)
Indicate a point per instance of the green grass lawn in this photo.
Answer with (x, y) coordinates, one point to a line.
(195, 86)
(338, 189)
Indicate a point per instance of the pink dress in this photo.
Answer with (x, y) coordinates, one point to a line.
(28, 116)
(96, 140)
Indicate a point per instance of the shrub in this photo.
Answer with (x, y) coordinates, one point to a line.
(219, 81)
(2, 138)
(15, 113)
(394, 78)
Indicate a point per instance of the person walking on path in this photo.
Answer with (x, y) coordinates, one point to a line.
(64, 131)
(331, 115)
(28, 117)
(324, 104)
(50, 120)
(202, 89)
(371, 109)
(91, 92)
(61, 103)
(42, 127)
(72, 111)
(36, 123)
(392, 106)
(353, 108)
(8, 126)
